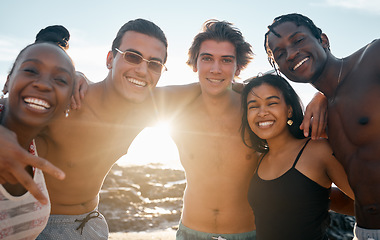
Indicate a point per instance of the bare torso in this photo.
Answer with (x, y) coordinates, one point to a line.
(85, 146)
(354, 132)
(218, 169)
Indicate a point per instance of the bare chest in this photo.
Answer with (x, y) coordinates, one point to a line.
(212, 145)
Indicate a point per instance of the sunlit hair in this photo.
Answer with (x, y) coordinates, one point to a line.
(299, 20)
(141, 26)
(291, 99)
(221, 31)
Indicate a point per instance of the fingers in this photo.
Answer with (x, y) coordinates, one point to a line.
(27, 182)
(305, 125)
(45, 166)
(315, 127)
(76, 99)
(73, 103)
(9, 178)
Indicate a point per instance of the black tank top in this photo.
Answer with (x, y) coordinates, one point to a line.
(291, 206)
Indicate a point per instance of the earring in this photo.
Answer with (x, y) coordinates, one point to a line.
(290, 122)
(67, 111)
(3, 94)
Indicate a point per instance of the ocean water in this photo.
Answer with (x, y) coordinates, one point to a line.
(141, 198)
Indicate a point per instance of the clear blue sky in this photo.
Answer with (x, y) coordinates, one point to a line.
(349, 24)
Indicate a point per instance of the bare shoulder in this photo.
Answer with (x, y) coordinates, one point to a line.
(320, 148)
(370, 52)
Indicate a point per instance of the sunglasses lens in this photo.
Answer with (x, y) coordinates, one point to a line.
(133, 58)
(155, 66)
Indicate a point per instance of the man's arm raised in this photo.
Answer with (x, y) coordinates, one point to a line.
(315, 116)
(14, 159)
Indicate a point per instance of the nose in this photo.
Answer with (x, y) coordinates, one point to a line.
(215, 68)
(142, 68)
(43, 83)
(263, 111)
(291, 53)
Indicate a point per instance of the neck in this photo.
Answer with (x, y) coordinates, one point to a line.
(281, 143)
(330, 78)
(25, 134)
(218, 105)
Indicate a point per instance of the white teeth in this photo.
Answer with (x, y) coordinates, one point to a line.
(265, 124)
(215, 80)
(300, 63)
(137, 82)
(37, 103)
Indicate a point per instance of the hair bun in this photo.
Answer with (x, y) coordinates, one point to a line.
(56, 34)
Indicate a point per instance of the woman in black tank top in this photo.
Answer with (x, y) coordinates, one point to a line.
(291, 186)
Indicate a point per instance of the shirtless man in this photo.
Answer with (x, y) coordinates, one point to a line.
(217, 164)
(352, 85)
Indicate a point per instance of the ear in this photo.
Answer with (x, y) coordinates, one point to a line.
(109, 60)
(5, 88)
(237, 72)
(195, 69)
(290, 111)
(325, 41)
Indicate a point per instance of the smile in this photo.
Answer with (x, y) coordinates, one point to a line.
(265, 124)
(300, 63)
(215, 80)
(137, 82)
(37, 103)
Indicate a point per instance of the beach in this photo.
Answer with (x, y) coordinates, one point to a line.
(145, 202)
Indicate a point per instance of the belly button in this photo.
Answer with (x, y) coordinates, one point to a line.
(363, 120)
(373, 209)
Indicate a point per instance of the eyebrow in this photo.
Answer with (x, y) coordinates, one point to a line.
(208, 54)
(291, 36)
(268, 98)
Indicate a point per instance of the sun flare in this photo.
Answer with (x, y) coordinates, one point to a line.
(153, 146)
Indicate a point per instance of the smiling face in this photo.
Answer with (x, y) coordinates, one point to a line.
(216, 66)
(40, 85)
(134, 81)
(267, 112)
(299, 55)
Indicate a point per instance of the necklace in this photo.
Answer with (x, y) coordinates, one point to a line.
(340, 71)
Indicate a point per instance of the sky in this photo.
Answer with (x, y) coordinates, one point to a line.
(349, 25)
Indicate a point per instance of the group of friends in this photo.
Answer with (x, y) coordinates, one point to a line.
(252, 170)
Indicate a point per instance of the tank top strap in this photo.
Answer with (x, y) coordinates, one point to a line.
(300, 153)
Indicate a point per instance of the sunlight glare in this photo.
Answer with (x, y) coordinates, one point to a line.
(153, 146)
